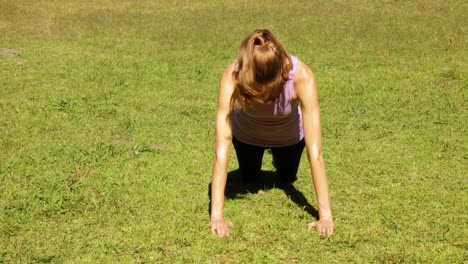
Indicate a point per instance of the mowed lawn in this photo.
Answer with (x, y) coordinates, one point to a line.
(107, 128)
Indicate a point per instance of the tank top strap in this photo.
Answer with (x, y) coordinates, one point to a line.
(289, 85)
(295, 62)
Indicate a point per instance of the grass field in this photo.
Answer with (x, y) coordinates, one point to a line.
(107, 128)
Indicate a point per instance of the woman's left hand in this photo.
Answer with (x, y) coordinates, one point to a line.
(325, 226)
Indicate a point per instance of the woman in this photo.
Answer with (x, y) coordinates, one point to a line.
(268, 100)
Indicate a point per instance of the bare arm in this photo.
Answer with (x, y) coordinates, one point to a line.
(306, 90)
(223, 141)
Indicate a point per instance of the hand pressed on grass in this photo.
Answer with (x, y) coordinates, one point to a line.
(325, 226)
(220, 227)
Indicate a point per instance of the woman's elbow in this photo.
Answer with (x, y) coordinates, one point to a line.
(221, 154)
(315, 154)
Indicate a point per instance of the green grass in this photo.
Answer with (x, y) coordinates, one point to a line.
(107, 128)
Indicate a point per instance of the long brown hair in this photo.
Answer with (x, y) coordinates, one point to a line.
(262, 70)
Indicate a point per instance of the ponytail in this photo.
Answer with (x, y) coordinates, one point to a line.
(262, 70)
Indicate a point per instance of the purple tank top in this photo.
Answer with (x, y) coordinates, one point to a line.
(275, 124)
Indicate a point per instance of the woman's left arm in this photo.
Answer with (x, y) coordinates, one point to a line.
(305, 88)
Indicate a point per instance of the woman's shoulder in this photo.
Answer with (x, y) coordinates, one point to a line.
(226, 78)
(226, 86)
(229, 70)
(304, 82)
(303, 73)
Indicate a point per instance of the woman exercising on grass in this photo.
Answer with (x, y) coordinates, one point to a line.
(268, 100)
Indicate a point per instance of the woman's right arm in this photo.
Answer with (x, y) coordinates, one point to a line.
(223, 141)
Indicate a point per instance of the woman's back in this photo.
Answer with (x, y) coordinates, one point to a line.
(273, 124)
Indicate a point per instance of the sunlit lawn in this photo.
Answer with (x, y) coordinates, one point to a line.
(107, 128)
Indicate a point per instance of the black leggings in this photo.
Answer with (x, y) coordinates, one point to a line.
(285, 159)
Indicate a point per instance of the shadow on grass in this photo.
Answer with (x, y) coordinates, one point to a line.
(236, 188)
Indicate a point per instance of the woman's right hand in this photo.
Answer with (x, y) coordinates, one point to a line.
(220, 227)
